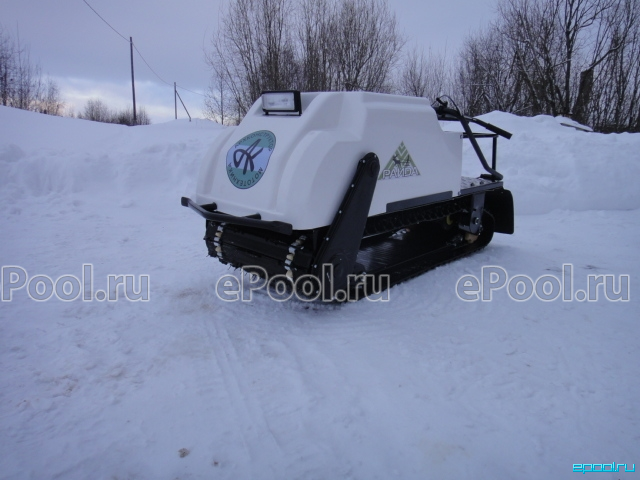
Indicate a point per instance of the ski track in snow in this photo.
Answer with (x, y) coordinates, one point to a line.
(424, 386)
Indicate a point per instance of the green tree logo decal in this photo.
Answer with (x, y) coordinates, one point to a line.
(399, 165)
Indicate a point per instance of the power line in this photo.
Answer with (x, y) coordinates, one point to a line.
(191, 91)
(159, 77)
(147, 63)
(139, 53)
(94, 11)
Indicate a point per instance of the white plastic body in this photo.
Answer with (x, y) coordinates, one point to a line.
(316, 155)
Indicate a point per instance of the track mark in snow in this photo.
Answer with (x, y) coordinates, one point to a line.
(258, 438)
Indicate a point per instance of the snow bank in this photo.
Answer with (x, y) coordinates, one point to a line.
(42, 155)
(549, 166)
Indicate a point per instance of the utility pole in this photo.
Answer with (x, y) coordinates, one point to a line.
(133, 85)
(175, 99)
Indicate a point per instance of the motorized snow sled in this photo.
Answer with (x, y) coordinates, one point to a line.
(356, 191)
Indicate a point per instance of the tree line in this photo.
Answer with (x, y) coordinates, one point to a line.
(578, 58)
(309, 45)
(22, 84)
(97, 111)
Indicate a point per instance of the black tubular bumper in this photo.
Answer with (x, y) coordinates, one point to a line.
(253, 221)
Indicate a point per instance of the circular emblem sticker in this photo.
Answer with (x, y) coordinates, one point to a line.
(247, 160)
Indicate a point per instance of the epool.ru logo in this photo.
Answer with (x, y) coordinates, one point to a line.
(602, 467)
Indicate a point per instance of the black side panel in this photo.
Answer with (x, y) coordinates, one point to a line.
(419, 201)
(500, 204)
(342, 240)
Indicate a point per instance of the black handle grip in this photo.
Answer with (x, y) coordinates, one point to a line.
(492, 128)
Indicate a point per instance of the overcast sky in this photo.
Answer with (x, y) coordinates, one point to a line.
(89, 60)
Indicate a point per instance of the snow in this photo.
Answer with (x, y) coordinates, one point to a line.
(424, 386)
(549, 166)
(569, 122)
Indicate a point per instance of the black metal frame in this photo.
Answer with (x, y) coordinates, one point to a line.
(494, 145)
(444, 112)
(254, 221)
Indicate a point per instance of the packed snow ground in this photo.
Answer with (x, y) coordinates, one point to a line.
(425, 386)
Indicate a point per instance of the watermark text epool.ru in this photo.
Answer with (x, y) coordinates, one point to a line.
(67, 288)
(546, 288)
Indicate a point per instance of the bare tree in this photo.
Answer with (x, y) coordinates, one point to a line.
(253, 51)
(367, 45)
(337, 45)
(559, 57)
(7, 67)
(27, 81)
(96, 110)
(219, 101)
(558, 44)
(424, 75)
(22, 84)
(316, 38)
(609, 92)
(125, 117)
(488, 77)
(49, 101)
